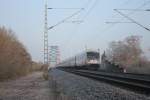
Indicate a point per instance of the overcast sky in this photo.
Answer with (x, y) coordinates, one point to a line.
(26, 19)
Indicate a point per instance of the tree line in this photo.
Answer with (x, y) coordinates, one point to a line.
(15, 61)
(128, 54)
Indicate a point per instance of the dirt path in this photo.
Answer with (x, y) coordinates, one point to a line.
(31, 87)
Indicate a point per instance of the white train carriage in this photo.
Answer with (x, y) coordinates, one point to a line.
(85, 60)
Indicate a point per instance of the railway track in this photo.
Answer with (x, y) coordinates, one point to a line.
(135, 82)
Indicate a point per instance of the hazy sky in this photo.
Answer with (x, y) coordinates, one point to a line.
(26, 18)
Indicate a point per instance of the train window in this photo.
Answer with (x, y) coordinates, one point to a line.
(93, 55)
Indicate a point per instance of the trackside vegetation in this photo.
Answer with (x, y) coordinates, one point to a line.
(15, 61)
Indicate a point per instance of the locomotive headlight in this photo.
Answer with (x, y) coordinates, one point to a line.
(92, 61)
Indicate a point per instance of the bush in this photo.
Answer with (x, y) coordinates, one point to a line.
(14, 59)
(37, 66)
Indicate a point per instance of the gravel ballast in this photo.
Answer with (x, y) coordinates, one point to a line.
(82, 88)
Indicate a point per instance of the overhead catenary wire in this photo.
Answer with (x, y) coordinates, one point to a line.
(112, 23)
(64, 8)
(52, 8)
(135, 9)
(130, 13)
(78, 21)
(117, 22)
(90, 9)
(77, 26)
(138, 8)
(132, 20)
(67, 18)
(144, 4)
(62, 21)
(122, 5)
(81, 20)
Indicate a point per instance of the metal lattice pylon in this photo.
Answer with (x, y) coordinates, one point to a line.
(46, 37)
(46, 28)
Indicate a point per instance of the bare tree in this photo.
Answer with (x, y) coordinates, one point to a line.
(126, 53)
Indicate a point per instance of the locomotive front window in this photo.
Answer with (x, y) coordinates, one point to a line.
(93, 55)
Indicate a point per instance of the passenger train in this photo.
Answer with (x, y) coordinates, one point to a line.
(90, 60)
(85, 60)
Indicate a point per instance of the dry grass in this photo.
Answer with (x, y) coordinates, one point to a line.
(14, 59)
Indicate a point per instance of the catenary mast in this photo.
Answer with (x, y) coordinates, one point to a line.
(45, 36)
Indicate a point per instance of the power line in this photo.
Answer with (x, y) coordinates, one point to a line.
(117, 22)
(46, 55)
(65, 8)
(138, 8)
(133, 11)
(62, 21)
(89, 11)
(76, 21)
(132, 20)
(127, 9)
(82, 20)
(87, 4)
(144, 4)
(113, 23)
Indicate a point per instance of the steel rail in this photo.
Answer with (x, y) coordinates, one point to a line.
(132, 83)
